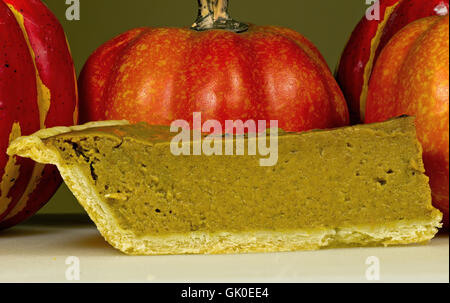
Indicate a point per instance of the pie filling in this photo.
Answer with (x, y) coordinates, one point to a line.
(323, 179)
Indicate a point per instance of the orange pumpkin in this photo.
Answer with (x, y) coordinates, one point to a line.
(368, 40)
(222, 68)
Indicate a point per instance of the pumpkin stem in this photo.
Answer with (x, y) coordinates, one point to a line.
(213, 14)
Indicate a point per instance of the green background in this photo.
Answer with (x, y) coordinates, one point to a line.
(327, 23)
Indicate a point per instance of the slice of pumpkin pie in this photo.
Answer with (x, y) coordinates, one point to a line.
(355, 186)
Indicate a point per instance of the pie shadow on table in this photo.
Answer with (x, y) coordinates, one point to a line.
(46, 225)
(60, 220)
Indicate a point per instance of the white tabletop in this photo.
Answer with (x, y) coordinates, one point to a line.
(39, 250)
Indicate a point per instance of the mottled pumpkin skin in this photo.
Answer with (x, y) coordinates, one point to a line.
(159, 75)
(37, 90)
(411, 77)
(368, 40)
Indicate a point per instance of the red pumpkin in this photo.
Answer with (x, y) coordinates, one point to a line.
(159, 75)
(37, 90)
(368, 40)
(411, 77)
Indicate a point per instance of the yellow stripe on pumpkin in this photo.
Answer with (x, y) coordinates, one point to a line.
(44, 98)
(34, 181)
(43, 91)
(75, 112)
(11, 172)
(370, 64)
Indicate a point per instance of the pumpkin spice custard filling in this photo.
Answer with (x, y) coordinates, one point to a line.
(354, 186)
